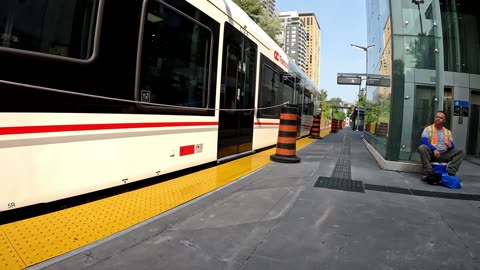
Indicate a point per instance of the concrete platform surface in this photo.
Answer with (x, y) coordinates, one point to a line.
(275, 218)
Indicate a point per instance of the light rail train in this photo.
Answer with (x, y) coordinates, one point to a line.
(100, 93)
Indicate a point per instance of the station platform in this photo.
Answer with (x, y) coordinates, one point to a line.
(335, 209)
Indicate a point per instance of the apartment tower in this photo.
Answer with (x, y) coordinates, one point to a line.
(313, 48)
(269, 6)
(294, 38)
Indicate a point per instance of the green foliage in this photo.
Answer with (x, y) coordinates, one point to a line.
(252, 7)
(270, 24)
(421, 52)
(325, 106)
(339, 115)
(363, 98)
(336, 102)
(379, 111)
(336, 112)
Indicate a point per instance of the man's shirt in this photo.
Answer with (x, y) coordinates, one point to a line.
(440, 139)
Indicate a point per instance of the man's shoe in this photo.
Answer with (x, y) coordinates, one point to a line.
(424, 177)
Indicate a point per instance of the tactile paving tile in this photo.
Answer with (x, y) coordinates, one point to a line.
(9, 258)
(41, 238)
(340, 184)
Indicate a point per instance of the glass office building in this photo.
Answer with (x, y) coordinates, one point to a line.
(431, 51)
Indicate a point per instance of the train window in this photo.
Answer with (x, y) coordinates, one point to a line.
(271, 88)
(288, 84)
(270, 91)
(299, 86)
(176, 59)
(55, 27)
(307, 103)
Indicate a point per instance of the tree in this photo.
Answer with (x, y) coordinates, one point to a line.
(252, 7)
(337, 113)
(363, 98)
(379, 111)
(270, 24)
(325, 107)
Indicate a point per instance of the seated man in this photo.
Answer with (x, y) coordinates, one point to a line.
(438, 145)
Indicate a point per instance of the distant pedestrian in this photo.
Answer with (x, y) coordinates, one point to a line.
(437, 145)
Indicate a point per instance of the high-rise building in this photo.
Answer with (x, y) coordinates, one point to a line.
(313, 47)
(269, 6)
(429, 50)
(294, 38)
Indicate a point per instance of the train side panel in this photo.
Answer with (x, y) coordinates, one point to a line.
(92, 155)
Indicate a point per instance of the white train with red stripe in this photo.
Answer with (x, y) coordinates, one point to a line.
(101, 93)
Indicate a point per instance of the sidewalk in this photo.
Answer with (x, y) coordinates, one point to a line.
(278, 218)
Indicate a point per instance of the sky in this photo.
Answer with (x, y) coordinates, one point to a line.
(342, 22)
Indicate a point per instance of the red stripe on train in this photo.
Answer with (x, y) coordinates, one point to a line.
(85, 127)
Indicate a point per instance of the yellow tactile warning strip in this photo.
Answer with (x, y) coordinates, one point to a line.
(9, 258)
(28, 242)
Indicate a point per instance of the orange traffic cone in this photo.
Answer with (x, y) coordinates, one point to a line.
(287, 137)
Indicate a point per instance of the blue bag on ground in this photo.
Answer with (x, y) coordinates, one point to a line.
(450, 181)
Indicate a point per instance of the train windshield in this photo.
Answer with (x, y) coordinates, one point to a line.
(56, 27)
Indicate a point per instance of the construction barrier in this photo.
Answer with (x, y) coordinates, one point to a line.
(334, 127)
(287, 137)
(382, 129)
(340, 124)
(367, 127)
(315, 134)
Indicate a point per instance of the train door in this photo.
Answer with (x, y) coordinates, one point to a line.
(237, 93)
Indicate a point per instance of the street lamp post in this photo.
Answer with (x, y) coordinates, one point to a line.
(365, 49)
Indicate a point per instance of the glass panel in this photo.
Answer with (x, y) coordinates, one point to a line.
(250, 62)
(447, 107)
(270, 91)
(379, 61)
(287, 93)
(416, 17)
(472, 144)
(247, 93)
(175, 59)
(423, 115)
(298, 94)
(461, 23)
(56, 27)
(420, 52)
(307, 103)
